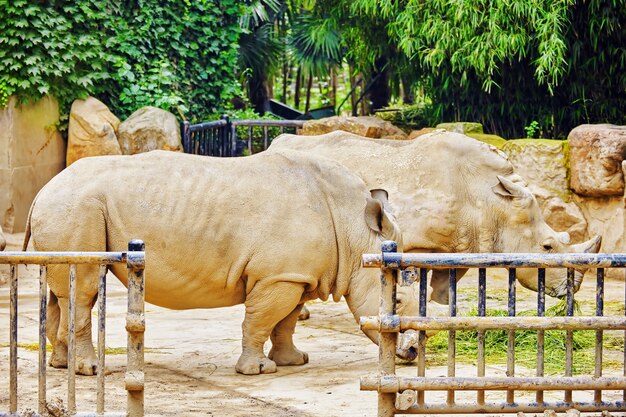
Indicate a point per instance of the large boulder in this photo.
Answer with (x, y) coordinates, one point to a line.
(368, 126)
(32, 151)
(92, 130)
(543, 163)
(461, 127)
(596, 155)
(148, 129)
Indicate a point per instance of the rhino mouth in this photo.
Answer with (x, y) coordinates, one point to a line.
(406, 345)
(561, 290)
(408, 355)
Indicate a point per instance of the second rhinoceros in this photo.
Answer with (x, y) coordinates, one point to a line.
(270, 231)
(450, 193)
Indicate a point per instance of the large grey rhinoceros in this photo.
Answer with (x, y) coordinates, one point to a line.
(450, 193)
(270, 231)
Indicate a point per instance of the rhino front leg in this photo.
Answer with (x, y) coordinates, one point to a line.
(283, 351)
(266, 305)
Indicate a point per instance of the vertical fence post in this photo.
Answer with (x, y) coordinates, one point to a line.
(13, 341)
(387, 340)
(185, 136)
(43, 299)
(135, 326)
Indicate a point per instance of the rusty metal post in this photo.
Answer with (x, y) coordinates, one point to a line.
(387, 340)
(43, 300)
(510, 350)
(102, 288)
(421, 344)
(135, 326)
(13, 341)
(451, 333)
(597, 396)
(482, 310)
(569, 334)
(541, 311)
(71, 344)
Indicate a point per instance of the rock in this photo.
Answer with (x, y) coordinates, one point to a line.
(495, 140)
(32, 151)
(549, 413)
(368, 126)
(417, 133)
(462, 127)
(147, 129)
(541, 162)
(605, 217)
(572, 413)
(596, 155)
(564, 217)
(92, 130)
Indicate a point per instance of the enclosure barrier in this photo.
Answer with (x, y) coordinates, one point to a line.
(220, 137)
(135, 326)
(405, 395)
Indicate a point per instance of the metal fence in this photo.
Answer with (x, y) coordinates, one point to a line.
(406, 395)
(135, 326)
(226, 137)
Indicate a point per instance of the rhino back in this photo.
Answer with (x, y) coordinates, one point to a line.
(432, 180)
(212, 227)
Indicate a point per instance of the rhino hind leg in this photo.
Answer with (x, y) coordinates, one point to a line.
(266, 305)
(58, 316)
(283, 351)
(58, 359)
(305, 314)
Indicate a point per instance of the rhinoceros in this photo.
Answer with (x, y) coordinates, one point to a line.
(270, 231)
(450, 193)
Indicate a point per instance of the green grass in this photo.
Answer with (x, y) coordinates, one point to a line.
(34, 347)
(496, 342)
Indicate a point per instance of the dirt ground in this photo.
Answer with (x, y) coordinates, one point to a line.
(190, 357)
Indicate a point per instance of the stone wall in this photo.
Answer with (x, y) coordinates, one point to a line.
(31, 152)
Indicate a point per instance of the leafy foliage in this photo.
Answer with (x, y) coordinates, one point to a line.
(171, 54)
(507, 63)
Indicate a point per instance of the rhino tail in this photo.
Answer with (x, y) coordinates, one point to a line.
(27, 232)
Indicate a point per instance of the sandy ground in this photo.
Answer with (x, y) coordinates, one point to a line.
(191, 355)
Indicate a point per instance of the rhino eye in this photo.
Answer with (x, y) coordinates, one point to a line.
(547, 247)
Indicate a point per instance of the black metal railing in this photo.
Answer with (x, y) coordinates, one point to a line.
(227, 137)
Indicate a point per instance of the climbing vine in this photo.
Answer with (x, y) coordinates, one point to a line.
(178, 55)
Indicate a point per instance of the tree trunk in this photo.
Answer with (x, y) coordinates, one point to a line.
(379, 93)
(353, 91)
(296, 100)
(332, 91)
(308, 93)
(258, 93)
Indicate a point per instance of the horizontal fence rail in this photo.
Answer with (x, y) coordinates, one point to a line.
(406, 395)
(135, 326)
(227, 138)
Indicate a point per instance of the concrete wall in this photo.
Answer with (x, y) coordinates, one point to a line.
(31, 152)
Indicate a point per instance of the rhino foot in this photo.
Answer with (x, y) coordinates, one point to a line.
(58, 359)
(304, 314)
(86, 367)
(289, 357)
(249, 365)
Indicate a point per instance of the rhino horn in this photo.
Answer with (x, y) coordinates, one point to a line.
(590, 246)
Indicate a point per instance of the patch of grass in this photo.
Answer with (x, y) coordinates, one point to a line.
(34, 347)
(496, 342)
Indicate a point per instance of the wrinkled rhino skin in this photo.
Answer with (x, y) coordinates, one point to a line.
(450, 193)
(270, 231)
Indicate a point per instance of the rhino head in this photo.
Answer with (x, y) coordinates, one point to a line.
(522, 229)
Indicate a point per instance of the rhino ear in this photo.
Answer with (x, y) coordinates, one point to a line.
(378, 219)
(508, 188)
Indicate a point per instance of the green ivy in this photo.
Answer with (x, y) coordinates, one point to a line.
(180, 56)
